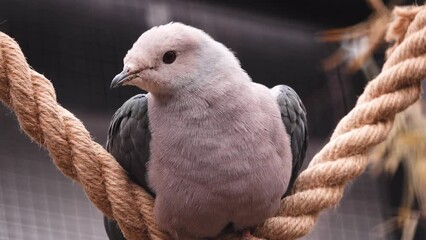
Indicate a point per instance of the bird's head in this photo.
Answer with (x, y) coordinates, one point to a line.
(171, 57)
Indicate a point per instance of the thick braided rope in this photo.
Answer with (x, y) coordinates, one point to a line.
(33, 99)
(321, 185)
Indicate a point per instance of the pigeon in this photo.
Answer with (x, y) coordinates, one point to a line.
(215, 149)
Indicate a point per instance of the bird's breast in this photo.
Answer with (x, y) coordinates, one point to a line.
(214, 143)
(214, 160)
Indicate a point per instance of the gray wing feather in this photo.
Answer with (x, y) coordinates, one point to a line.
(293, 115)
(128, 141)
(129, 137)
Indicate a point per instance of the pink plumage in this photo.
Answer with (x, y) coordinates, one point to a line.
(219, 152)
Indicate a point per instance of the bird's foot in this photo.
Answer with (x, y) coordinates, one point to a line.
(246, 235)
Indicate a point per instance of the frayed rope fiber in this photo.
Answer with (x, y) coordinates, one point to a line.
(32, 97)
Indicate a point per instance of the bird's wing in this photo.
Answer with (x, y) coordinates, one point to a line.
(129, 137)
(293, 115)
(128, 141)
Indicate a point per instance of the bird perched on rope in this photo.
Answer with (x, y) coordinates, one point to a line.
(214, 148)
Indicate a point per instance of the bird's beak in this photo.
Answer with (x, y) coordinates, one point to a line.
(123, 77)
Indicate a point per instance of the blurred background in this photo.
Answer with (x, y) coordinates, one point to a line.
(79, 45)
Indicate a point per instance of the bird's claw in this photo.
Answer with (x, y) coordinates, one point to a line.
(246, 235)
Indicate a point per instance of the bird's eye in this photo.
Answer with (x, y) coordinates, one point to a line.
(169, 57)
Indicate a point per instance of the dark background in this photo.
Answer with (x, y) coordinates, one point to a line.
(79, 45)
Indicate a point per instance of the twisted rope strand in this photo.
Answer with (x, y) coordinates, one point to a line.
(33, 99)
(368, 124)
